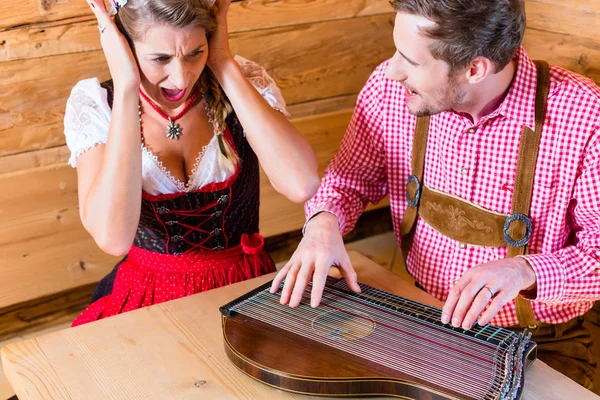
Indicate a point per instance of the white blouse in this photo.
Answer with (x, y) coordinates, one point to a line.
(87, 120)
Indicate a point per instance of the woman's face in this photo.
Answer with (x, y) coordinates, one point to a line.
(171, 61)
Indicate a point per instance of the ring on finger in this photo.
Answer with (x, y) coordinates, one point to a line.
(101, 28)
(491, 291)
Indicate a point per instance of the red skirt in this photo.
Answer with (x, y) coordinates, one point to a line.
(145, 277)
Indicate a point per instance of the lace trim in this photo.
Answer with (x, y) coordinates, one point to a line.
(182, 187)
(80, 151)
(284, 112)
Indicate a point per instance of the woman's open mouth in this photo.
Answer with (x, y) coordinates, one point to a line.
(172, 95)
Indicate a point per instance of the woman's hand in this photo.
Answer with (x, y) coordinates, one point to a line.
(119, 57)
(219, 52)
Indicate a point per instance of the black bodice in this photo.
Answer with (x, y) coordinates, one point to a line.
(212, 218)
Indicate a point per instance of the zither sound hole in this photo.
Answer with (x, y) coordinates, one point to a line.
(341, 325)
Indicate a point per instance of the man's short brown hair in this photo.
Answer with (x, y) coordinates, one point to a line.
(466, 29)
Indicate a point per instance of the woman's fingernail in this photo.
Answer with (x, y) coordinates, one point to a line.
(455, 322)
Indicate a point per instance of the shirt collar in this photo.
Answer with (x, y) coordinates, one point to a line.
(519, 103)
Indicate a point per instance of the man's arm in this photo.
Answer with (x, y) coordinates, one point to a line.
(572, 274)
(355, 176)
(568, 275)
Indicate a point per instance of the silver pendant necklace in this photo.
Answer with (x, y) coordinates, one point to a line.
(173, 130)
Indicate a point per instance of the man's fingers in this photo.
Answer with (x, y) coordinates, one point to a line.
(499, 301)
(481, 300)
(302, 279)
(290, 281)
(318, 285)
(280, 277)
(467, 296)
(349, 274)
(452, 299)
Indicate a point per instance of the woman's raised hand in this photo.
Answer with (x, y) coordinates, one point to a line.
(218, 47)
(121, 62)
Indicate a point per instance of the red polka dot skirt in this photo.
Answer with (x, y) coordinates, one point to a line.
(145, 277)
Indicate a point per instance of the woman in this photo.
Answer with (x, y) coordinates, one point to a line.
(167, 154)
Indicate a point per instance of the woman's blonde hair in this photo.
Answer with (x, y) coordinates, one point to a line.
(133, 20)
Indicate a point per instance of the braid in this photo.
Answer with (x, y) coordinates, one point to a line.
(219, 107)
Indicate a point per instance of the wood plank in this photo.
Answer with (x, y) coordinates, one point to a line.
(577, 54)
(572, 17)
(43, 313)
(309, 62)
(196, 350)
(6, 389)
(76, 33)
(51, 156)
(250, 15)
(48, 39)
(325, 137)
(243, 16)
(179, 344)
(46, 250)
(54, 156)
(51, 264)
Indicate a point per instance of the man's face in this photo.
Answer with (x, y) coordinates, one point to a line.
(428, 87)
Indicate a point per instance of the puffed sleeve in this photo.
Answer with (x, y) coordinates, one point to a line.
(264, 84)
(87, 118)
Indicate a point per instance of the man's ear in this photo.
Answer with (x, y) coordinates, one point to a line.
(479, 69)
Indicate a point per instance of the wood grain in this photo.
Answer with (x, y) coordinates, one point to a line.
(46, 250)
(577, 54)
(578, 18)
(243, 16)
(75, 30)
(309, 62)
(78, 33)
(59, 155)
(175, 350)
(44, 313)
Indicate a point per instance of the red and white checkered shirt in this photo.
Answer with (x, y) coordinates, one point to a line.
(478, 163)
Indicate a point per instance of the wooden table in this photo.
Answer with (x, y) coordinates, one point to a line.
(175, 351)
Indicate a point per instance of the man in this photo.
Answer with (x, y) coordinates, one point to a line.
(492, 166)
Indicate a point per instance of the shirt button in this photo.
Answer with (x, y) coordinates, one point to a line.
(471, 130)
(464, 171)
(462, 246)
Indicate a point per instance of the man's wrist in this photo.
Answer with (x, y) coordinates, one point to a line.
(530, 277)
(323, 219)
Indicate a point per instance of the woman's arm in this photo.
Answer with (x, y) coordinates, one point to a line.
(284, 154)
(109, 178)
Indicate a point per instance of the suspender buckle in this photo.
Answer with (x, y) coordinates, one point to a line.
(413, 202)
(524, 219)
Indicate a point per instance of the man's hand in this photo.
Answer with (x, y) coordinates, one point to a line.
(498, 281)
(321, 248)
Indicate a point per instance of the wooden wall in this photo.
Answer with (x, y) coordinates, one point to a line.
(319, 51)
